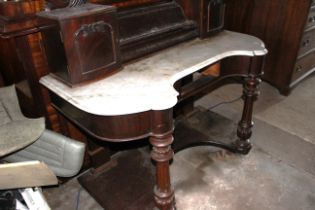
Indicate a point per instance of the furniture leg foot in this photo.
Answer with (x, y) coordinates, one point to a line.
(242, 147)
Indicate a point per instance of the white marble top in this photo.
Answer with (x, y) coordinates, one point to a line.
(147, 84)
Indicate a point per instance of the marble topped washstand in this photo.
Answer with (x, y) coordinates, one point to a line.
(137, 102)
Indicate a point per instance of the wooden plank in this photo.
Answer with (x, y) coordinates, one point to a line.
(26, 174)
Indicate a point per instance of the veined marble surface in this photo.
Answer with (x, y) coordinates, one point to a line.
(147, 84)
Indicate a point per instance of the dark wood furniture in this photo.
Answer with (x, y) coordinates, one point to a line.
(126, 112)
(144, 27)
(81, 42)
(23, 62)
(142, 30)
(17, 18)
(288, 29)
(124, 34)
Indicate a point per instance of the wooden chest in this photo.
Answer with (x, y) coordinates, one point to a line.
(288, 29)
(81, 43)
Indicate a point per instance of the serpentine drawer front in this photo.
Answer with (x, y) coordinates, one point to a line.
(305, 62)
(304, 65)
(307, 43)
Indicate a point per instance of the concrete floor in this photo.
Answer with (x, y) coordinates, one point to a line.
(278, 174)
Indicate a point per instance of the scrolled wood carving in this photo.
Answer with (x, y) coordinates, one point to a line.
(87, 29)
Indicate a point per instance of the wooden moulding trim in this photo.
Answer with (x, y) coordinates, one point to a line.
(11, 30)
(106, 128)
(103, 138)
(17, 18)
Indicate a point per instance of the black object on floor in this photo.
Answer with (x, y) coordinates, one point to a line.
(126, 185)
(204, 127)
(7, 199)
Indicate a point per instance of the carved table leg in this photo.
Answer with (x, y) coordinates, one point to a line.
(250, 93)
(161, 139)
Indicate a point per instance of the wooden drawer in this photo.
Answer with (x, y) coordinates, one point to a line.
(303, 65)
(307, 42)
(311, 18)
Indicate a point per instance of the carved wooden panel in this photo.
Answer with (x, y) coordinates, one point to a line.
(92, 42)
(81, 42)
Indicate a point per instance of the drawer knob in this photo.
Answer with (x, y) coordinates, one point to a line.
(298, 68)
(312, 19)
(305, 43)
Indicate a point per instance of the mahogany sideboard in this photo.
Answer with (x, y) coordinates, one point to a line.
(138, 101)
(288, 29)
(145, 26)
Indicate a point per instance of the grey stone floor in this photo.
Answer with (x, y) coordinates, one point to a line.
(278, 174)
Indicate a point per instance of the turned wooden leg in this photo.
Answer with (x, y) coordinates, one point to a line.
(161, 140)
(244, 129)
(250, 93)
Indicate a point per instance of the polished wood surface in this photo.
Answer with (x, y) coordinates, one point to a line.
(35, 66)
(143, 31)
(18, 18)
(69, 39)
(157, 125)
(161, 139)
(118, 128)
(250, 93)
(24, 60)
(280, 24)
